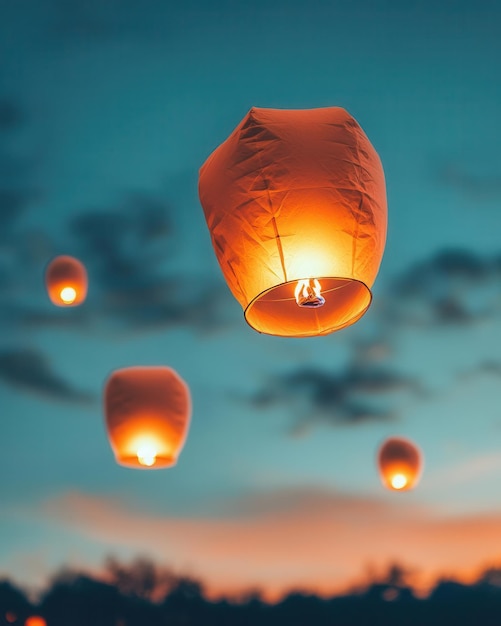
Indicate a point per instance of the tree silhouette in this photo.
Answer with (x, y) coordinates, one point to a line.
(144, 594)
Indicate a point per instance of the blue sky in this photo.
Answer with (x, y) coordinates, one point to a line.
(112, 106)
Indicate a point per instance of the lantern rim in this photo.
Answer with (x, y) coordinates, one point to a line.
(329, 285)
(131, 461)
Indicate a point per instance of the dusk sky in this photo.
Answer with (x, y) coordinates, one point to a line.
(108, 108)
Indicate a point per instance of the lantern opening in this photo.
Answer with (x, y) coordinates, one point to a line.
(398, 481)
(277, 311)
(308, 293)
(147, 455)
(68, 295)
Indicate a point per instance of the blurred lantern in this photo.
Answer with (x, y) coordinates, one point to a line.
(35, 620)
(147, 416)
(295, 202)
(400, 464)
(10, 617)
(66, 280)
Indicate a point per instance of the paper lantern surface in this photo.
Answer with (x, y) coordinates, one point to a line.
(400, 464)
(291, 196)
(147, 413)
(66, 281)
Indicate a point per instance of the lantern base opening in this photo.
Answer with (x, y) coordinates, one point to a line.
(275, 311)
(133, 461)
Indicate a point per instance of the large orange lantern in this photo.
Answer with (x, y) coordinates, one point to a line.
(66, 280)
(147, 416)
(35, 620)
(295, 202)
(400, 464)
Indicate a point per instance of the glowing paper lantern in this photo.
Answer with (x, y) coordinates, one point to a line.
(147, 416)
(35, 620)
(295, 202)
(66, 280)
(400, 464)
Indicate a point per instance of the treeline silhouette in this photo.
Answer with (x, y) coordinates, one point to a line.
(142, 594)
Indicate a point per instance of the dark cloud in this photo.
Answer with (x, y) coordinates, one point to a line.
(129, 251)
(11, 115)
(356, 395)
(30, 370)
(96, 22)
(484, 368)
(473, 186)
(13, 203)
(26, 316)
(89, 20)
(454, 286)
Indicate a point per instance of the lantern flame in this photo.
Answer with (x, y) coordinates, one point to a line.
(147, 455)
(398, 481)
(68, 295)
(308, 292)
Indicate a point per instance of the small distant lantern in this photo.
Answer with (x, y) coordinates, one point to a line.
(66, 281)
(295, 202)
(10, 617)
(400, 464)
(148, 413)
(35, 620)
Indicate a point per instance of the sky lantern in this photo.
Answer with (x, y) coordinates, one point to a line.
(66, 280)
(35, 620)
(148, 413)
(295, 202)
(400, 464)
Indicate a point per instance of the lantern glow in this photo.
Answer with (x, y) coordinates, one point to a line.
(398, 481)
(68, 295)
(147, 416)
(400, 464)
(147, 455)
(66, 281)
(35, 620)
(294, 200)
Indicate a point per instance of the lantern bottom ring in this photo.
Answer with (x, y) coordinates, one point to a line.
(132, 460)
(275, 311)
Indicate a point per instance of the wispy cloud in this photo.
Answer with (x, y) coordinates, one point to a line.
(475, 187)
(129, 251)
(452, 287)
(11, 114)
(360, 393)
(298, 538)
(30, 370)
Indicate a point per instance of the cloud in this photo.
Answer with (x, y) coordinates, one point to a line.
(11, 115)
(13, 202)
(320, 540)
(129, 252)
(482, 466)
(355, 395)
(30, 370)
(454, 286)
(473, 186)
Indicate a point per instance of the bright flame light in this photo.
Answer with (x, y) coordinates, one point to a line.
(68, 295)
(147, 455)
(307, 293)
(398, 481)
